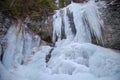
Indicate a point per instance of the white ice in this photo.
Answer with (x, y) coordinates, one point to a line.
(72, 58)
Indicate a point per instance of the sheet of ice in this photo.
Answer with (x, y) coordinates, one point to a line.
(6, 75)
(13, 53)
(68, 30)
(19, 46)
(63, 66)
(105, 63)
(78, 58)
(57, 24)
(30, 41)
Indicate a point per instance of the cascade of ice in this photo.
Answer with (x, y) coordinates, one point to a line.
(87, 21)
(57, 21)
(76, 53)
(30, 41)
(19, 46)
(13, 54)
(68, 30)
(73, 58)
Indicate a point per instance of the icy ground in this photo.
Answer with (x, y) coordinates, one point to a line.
(72, 58)
(93, 63)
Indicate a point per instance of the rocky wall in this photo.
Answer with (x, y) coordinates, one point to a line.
(111, 31)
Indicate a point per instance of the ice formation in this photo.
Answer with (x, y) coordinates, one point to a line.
(86, 18)
(73, 57)
(19, 46)
(13, 54)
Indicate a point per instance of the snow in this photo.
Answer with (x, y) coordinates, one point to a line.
(105, 63)
(100, 61)
(72, 58)
(65, 64)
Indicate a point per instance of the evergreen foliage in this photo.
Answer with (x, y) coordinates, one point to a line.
(63, 3)
(23, 8)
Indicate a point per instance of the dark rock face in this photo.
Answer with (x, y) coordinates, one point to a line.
(5, 22)
(111, 31)
(42, 27)
(78, 1)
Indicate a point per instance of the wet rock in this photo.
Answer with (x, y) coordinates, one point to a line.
(5, 22)
(78, 1)
(111, 31)
(41, 26)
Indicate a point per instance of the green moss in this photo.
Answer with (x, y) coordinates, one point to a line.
(63, 3)
(23, 8)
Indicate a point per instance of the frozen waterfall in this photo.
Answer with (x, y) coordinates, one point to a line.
(81, 22)
(74, 56)
(19, 46)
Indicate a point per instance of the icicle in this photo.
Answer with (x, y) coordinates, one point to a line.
(30, 41)
(68, 30)
(57, 23)
(27, 46)
(19, 45)
(82, 32)
(92, 15)
(86, 19)
(13, 53)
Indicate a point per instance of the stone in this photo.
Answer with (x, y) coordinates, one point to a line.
(111, 31)
(42, 27)
(79, 1)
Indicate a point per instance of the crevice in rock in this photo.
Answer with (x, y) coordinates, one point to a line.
(48, 56)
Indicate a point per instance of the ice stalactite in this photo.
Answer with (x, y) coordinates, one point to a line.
(30, 41)
(68, 30)
(86, 19)
(57, 21)
(19, 46)
(76, 53)
(13, 53)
